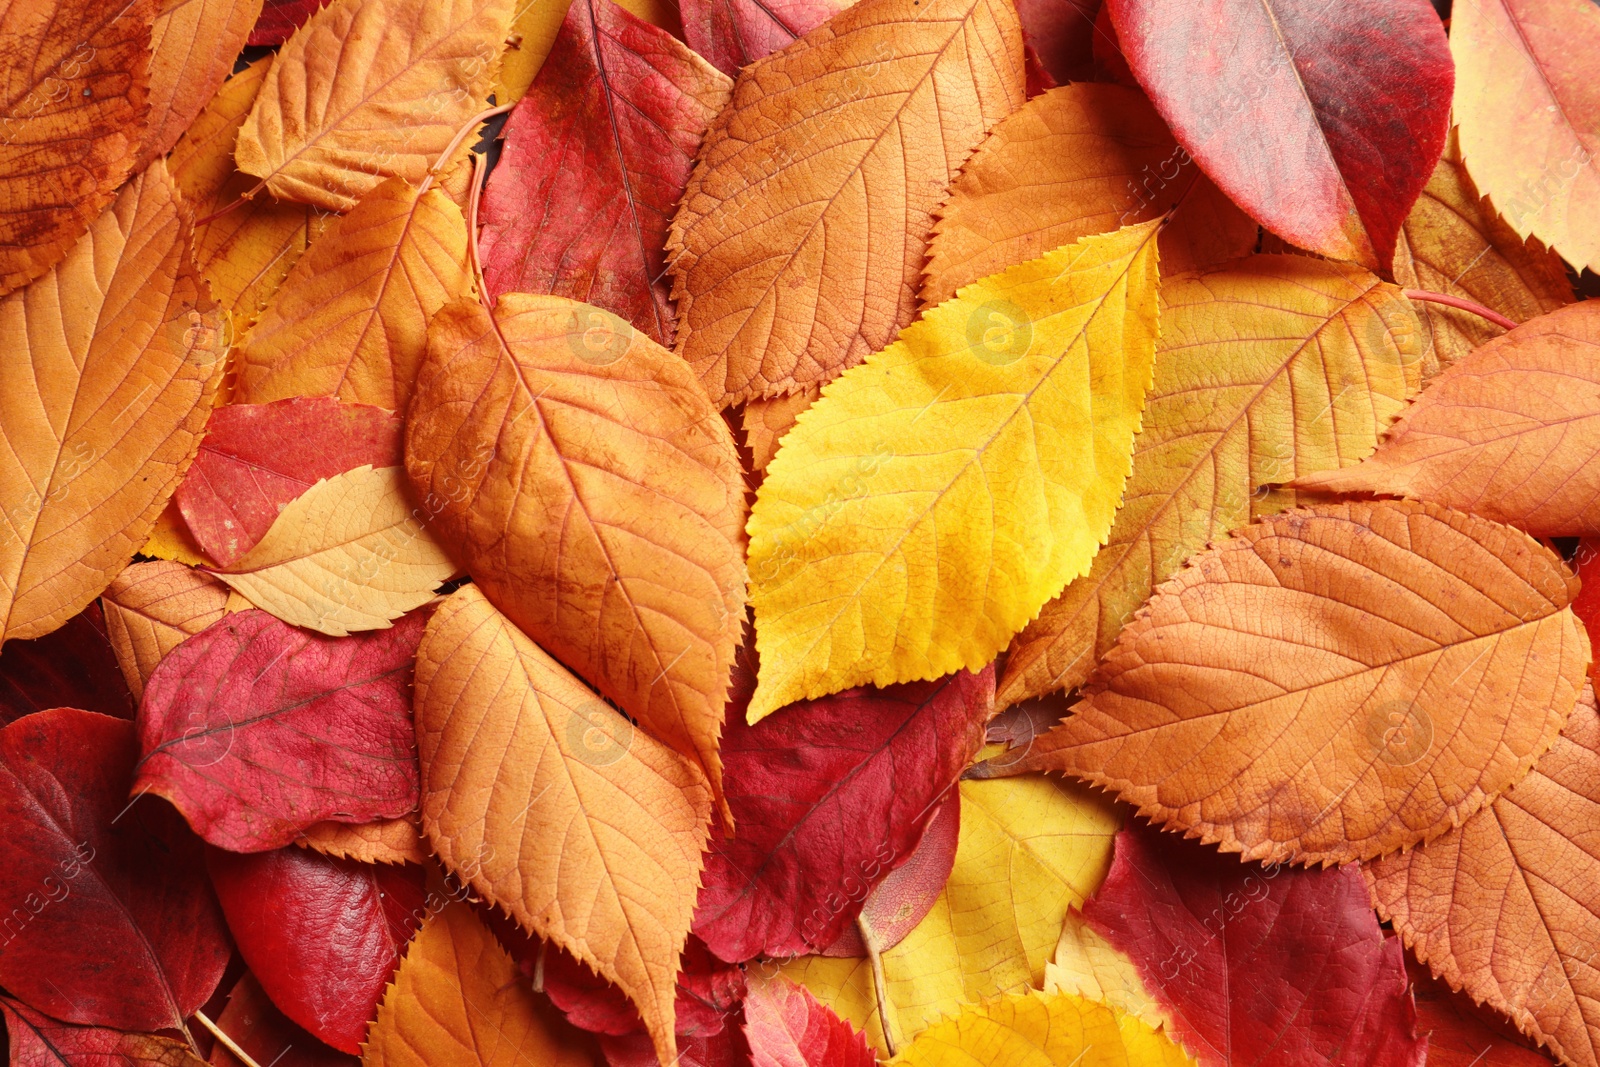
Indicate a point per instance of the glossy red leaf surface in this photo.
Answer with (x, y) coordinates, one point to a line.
(73, 667)
(1323, 121)
(1258, 965)
(829, 795)
(322, 936)
(257, 457)
(786, 1027)
(109, 919)
(255, 729)
(735, 33)
(40, 1041)
(596, 158)
(280, 18)
(267, 1035)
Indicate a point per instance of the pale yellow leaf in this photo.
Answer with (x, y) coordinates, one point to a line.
(1088, 966)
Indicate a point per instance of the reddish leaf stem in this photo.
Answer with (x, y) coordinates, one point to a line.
(1464, 305)
(455, 142)
(249, 194)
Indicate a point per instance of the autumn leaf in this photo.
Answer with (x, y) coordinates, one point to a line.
(266, 1035)
(874, 761)
(1507, 431)
(799, 243)
(1087, 965)
(1023, 1029)
(256, 458)
(458, 999)
(368, 90)
(888, 547)
(1275, 366)
(381, 841)
(732, 34)
(351, 319)
(256, 730)
(1080, 160)
(786, 1027)
(767, 422)
(349, 554)
(1506, 906)
(608, 525)
(1293, 95)
(1258, 965)
(1030, 849)
(74, 666)
(323, 936)
(40, 1041)
(280, 18)
(74, 105)
(1453, 243)
(104, 404)
(709, 993)
(193, 45)
(1460, 1034)
(152, 608)
(1525, 102)
(595, 160)
(1060, 33)
(75, 858)
(1333, 683)
(549, 803)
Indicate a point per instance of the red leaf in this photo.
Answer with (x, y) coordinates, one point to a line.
(899, 902)
(1586, 605)
(258, 457)
(786, 1027)
(256, 1025)
(596, 158)
(255, 729)
(1461, 1034)
(735, 33)
(110, 920)
(73, 667)
(280, 18)
(40, 1041)
(726, 1048)
(1323, 121)
(1061, 35)
(709, 992)
(828, 796)
(322, 935)
(1258, 965)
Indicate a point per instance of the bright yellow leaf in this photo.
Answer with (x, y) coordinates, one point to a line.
(928, 505)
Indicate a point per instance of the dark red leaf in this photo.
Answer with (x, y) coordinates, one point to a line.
(1323, 121)
(830, 795)
(40, 1041)
(110, 921)
(74, 667)
(322, 935)
(255, 729)
(256, 1025)
(1586, 605)
(1258, 965)
(726, 1048)
(709, 993)
(1061, 35)
(1462, 1034)
(280, 18)
(258, 457)
(596, 157)
(786, 1027)
(735, 33)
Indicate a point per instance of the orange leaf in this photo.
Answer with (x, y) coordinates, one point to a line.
(550, 804)
(1079, 160)
(194, 43)
(1509, 432)
(767, 421)
(72, 109)
(384, 841)
(1507, 907)
(151, 608)
(1334, 683)
(112, 364)
(799, 243)
(595, 495)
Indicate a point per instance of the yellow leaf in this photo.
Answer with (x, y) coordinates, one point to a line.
(151, 608)
(458, 1000)
(1039, 1029)
(171, 539)
(194, 44)
(1087, 965)
(533, 31)
(799, 242)
(1030, 848)
(1276, 366)
(350, 553)
(552, 806)
(933, 500)
(367, 90)
(351, 319)
(111, 364)
(595, 495)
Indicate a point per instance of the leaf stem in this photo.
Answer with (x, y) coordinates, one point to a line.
(1463, 305)
(472, 233)
(227, 1042)
(455, 142)
(869, 938)
(248, 194)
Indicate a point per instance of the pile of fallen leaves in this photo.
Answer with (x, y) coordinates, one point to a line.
(782, 533)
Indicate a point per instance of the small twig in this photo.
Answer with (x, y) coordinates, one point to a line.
(869, 938)
(455, 142)
(472, 232)
(227, 1042)
(1463, 305)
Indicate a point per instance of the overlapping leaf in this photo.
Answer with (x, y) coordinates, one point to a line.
(1023, 1029)
(383, 841)
(732, 34)
(266, 1035)
(40, 1041)
(193, 45)
(74, 667)
(152, 608)
(786, 1027)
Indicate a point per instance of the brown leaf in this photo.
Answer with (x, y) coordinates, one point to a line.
(112, 365)
(1334, 683)
(194, 44)
(151, 608)
(367, 90)
(799, 243)
(73, 103)
(552, 806)
(595, 496)
(1507, 907)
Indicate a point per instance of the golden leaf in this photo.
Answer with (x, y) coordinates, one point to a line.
(194, 44)
(1033, 1029)
(151, 608)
